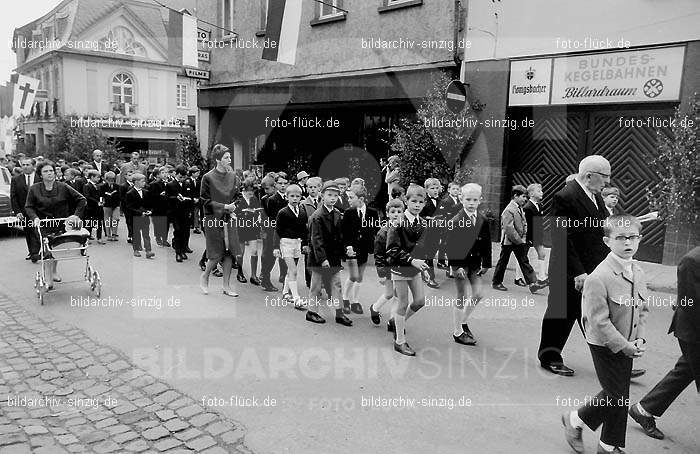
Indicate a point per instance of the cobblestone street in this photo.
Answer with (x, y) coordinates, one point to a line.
(60, 392)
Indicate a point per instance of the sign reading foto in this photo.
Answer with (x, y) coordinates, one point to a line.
(645, 75)
(197, 73)
(529, 82)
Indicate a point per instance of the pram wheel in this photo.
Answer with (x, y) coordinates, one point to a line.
(96, 284)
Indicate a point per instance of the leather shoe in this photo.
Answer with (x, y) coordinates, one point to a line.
(356, 308)
(268, 287)
(534, 288)
(520, 282)
(500, 287)
(464, 339)
(137, 254)
(346, 307)
(150, 255)
(559, 369)
(342, 319)
(573, 435)
(241, 278)
(648, 423)
(375, 316)
(313, 317)
(178, 258)
(616, 450)
(254, 280)
(637, 373)
(28, 257)
(468, 332)
(188, 250)
(432, 284)
(404, 349)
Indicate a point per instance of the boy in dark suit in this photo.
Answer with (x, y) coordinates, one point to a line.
(180, 195)
(110, 194)
(686, 327)
(159, 205)
(360, 224)
(93, 210)
(137, 204)
(394, 213)
(274, 203)
(268, 232)
(534, 238)
(406, 250)
(325, 255)
(614, 308)
(127, 176)
(434, 231)
(19, 188)
(448, 208)
(291, 239)
(469, 254)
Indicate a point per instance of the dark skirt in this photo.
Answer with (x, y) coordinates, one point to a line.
(214, 234)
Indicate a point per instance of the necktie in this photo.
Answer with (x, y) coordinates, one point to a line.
(296, 211)
(472, 218)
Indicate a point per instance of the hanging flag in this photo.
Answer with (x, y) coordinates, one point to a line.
(25, 90)
(283, 21)
(182, 38)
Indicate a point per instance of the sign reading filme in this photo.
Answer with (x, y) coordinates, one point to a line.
(646, 75)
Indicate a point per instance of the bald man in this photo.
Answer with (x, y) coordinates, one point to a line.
(577, 248)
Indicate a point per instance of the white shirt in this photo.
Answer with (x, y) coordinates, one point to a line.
(472, 216)
(361, 211)
(140, 191)
(626, 263)
(29, 179)
(294, 209)
(587, 191)
(410, 217)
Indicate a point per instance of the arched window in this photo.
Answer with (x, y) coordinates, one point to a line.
(122, 89)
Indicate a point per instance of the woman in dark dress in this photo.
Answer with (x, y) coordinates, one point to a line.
(51, 199)
(218, 195)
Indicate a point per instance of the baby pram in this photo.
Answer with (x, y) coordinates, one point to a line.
(61, 244)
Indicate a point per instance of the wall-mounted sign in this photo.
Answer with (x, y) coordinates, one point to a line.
(197, 73)
(614, 77)
(203, 35)
(530, 82)
(645, 75)
(203, 55)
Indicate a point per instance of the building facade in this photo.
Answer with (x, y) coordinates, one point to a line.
(107, 64)
(356, 73)
(599, 80)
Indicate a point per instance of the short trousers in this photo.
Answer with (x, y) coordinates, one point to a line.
(290, 248)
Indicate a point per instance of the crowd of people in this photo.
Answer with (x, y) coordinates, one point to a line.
(315, 228)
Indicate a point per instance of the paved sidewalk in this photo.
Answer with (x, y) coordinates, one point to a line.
(61, 392)
(661, 278)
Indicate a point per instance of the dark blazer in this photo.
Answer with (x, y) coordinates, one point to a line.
(404, 243)
(577, 244)
(105, 167)
(159, 199)
(533, 216)
(469, 246)
(381, 260)
(92, 194)
(342, 203)
(357, 235)
(288, 225)
(274, 204)
(63, 202)
(431, 209)
(325, 237)
(686, 318)
(177, 207)
(123, 189)
(18, 193)
(111, 195)
(448, 208)
(135, 204)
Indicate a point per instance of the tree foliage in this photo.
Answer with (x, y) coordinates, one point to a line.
(187, 150)
(74, 143)
(428, 149)
(677, 164)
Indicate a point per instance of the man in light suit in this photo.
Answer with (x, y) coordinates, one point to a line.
(686, 327)
(513, 240)
(134, 165)
(577, 248)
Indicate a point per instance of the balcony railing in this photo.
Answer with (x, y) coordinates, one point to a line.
(124, 108)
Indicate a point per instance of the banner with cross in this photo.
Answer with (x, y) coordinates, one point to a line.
(25, 91)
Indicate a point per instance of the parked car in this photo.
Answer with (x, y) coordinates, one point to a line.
(6, 217)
